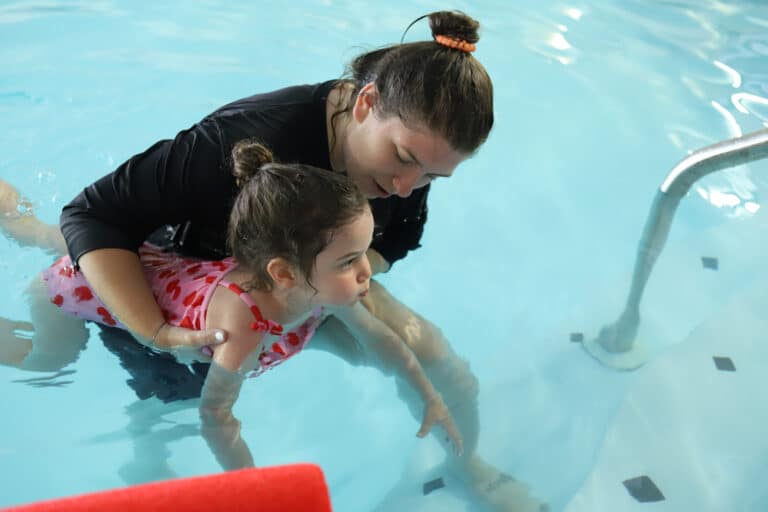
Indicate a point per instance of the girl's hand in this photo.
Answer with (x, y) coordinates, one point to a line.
(435, 411)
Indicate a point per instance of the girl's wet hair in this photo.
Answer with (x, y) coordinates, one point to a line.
(428, 84)
(285, 210)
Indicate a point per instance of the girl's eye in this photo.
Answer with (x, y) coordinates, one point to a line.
(348, 263)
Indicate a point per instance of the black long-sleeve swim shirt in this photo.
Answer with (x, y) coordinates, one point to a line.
(187, 182)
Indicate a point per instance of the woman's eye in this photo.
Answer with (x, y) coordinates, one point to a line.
(401, 159)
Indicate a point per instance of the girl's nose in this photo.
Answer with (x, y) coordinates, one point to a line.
(365, 271)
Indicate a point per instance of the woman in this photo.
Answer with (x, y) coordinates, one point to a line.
(405, 115)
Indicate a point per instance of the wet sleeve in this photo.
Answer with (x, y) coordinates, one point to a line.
(405, 228)
(166, 184)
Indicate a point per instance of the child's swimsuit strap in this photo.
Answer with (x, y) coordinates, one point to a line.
(261, 323)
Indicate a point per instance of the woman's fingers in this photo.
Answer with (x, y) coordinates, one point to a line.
(172, 337)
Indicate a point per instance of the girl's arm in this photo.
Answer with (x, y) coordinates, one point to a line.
(220, 428)
(397, 357)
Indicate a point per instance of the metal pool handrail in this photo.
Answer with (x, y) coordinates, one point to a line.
(619, 337)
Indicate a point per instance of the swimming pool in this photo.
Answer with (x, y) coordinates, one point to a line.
(532, 240)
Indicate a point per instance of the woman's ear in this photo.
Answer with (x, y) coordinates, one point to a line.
(282, 273)
(365, 102)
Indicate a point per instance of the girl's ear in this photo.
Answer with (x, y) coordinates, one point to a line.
(365, 102)
(282, 273)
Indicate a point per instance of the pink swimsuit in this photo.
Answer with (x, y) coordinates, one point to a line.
(182, 287)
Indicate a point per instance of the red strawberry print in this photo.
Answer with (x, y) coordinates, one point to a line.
(67, 271)
(106, 316)
(277, 348)
(186, 322)
(293, 338)
(58, 300)
(82, 293)
(173, 289)
(189, 299)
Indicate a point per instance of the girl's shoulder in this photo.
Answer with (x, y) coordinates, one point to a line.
(227, 308)
(227, 311)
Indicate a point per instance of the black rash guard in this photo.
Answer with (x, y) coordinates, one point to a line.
(187, 182)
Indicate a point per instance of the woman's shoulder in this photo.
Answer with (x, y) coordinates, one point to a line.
(290, 121)
(291, 97)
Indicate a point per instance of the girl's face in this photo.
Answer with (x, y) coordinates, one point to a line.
(342, 273)
(385, 157)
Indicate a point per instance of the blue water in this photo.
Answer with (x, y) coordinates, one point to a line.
(533, 239)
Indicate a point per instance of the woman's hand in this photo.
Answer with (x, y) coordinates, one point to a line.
(435, 411)
(171, 338)
(117, 277)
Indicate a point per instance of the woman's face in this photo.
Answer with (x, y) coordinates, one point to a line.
(385, 157)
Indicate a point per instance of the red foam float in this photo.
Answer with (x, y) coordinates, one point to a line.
(299, 487)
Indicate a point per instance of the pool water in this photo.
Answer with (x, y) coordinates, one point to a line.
(532, 241)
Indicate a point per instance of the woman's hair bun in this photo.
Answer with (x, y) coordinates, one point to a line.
(454, 24)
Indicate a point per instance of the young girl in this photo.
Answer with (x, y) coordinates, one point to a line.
(298, 237)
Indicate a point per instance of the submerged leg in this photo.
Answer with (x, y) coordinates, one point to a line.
(14, 345)
(57, 339)
(151, 435)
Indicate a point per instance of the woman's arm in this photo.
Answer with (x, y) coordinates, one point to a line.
(399, 225)
(117, 277)
(378, 263)
(105, 224)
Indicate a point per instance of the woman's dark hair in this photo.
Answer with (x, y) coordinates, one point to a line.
(426, 83)
(285, 210)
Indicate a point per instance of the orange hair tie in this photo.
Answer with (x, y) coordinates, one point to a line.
(458, 44)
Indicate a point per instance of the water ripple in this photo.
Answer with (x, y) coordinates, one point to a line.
(19, 12)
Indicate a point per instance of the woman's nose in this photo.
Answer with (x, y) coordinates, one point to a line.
(406, 182)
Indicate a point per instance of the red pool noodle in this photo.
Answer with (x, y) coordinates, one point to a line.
(299, 487)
